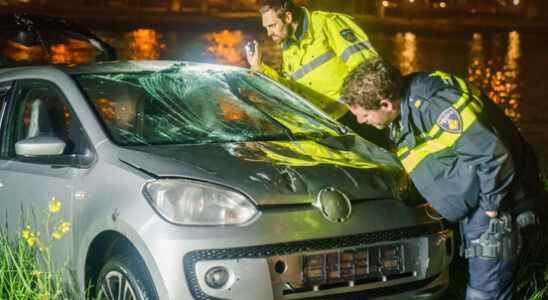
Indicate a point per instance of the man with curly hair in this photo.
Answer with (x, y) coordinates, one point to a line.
(466, 158)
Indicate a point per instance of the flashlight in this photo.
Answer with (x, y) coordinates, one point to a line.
(250, 47)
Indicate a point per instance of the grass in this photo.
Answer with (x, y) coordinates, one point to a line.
(22, 275)
(26, 265)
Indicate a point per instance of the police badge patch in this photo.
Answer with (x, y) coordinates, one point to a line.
(349, 35)
(450, 121)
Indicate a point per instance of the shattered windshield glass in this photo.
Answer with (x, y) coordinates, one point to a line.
(196, 105)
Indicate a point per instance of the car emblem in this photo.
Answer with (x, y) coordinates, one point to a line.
(334, 205)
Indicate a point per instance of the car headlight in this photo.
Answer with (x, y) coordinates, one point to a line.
(188, 202)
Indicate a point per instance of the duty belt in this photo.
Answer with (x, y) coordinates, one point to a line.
(501, 240)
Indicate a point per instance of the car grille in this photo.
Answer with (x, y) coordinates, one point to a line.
(264, 251)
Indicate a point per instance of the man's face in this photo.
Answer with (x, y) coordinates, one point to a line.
(276, 27)
(378, 118)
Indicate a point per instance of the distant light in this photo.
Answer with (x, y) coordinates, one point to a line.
(411, 1)
(516, 2)
(385, 3)
(443, 4)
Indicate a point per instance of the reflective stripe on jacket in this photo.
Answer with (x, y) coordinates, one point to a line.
(460, 150)
(326, 49)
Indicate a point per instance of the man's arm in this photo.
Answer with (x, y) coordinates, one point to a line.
(348, 40)
(256, 64)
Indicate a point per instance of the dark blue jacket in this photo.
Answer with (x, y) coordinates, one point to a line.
(461, 151)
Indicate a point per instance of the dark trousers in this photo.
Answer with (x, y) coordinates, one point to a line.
(370, 133)
(489, 279)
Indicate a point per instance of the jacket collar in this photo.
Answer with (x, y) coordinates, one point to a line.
(402, 127)
(301, 31)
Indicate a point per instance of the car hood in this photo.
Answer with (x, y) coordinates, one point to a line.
(278, 172)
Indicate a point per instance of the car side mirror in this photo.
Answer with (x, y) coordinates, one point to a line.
(40, 146)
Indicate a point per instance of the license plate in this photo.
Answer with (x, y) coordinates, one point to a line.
(345, 265)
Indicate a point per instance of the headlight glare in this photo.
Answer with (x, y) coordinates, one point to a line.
(188, 202)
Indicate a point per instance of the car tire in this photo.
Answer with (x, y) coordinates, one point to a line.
(125, 277)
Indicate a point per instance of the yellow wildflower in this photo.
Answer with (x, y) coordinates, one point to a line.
(54, 205)
(29, 236)
(25, 233)
(57, 235)
(31, 241)
(64, 227)
(44, 296)
(61, 230)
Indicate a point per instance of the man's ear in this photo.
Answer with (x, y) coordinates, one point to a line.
(288, 17)
(386, 105)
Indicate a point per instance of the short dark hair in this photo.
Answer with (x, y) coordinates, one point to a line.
(371, 82)
(280, 7)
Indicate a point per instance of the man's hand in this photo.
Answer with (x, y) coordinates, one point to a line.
(254, 58)
(491, 213)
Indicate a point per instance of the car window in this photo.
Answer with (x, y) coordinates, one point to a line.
(40, 109)
(184, 105)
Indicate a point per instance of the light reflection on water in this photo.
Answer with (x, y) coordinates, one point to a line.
(498, 77)
(144, 44)
(226, 46)
(21, 53)
(406, 52)
(72, 51)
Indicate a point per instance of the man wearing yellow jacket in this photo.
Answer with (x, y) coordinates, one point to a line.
(319, 50)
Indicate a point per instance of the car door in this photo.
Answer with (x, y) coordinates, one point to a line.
(29, 184)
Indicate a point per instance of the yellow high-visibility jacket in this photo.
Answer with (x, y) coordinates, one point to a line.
(324, 50)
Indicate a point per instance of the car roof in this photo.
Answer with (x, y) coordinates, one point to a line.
(118, 67)
(130, 66)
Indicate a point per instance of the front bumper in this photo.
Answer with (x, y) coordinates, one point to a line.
(255, 272)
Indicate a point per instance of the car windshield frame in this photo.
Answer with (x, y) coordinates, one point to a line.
(277, 115)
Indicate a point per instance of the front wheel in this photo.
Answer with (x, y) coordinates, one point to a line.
(125, 277)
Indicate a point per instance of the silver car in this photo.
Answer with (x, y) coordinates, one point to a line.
(195, 181)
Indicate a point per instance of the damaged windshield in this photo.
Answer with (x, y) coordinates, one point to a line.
(196, 105)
